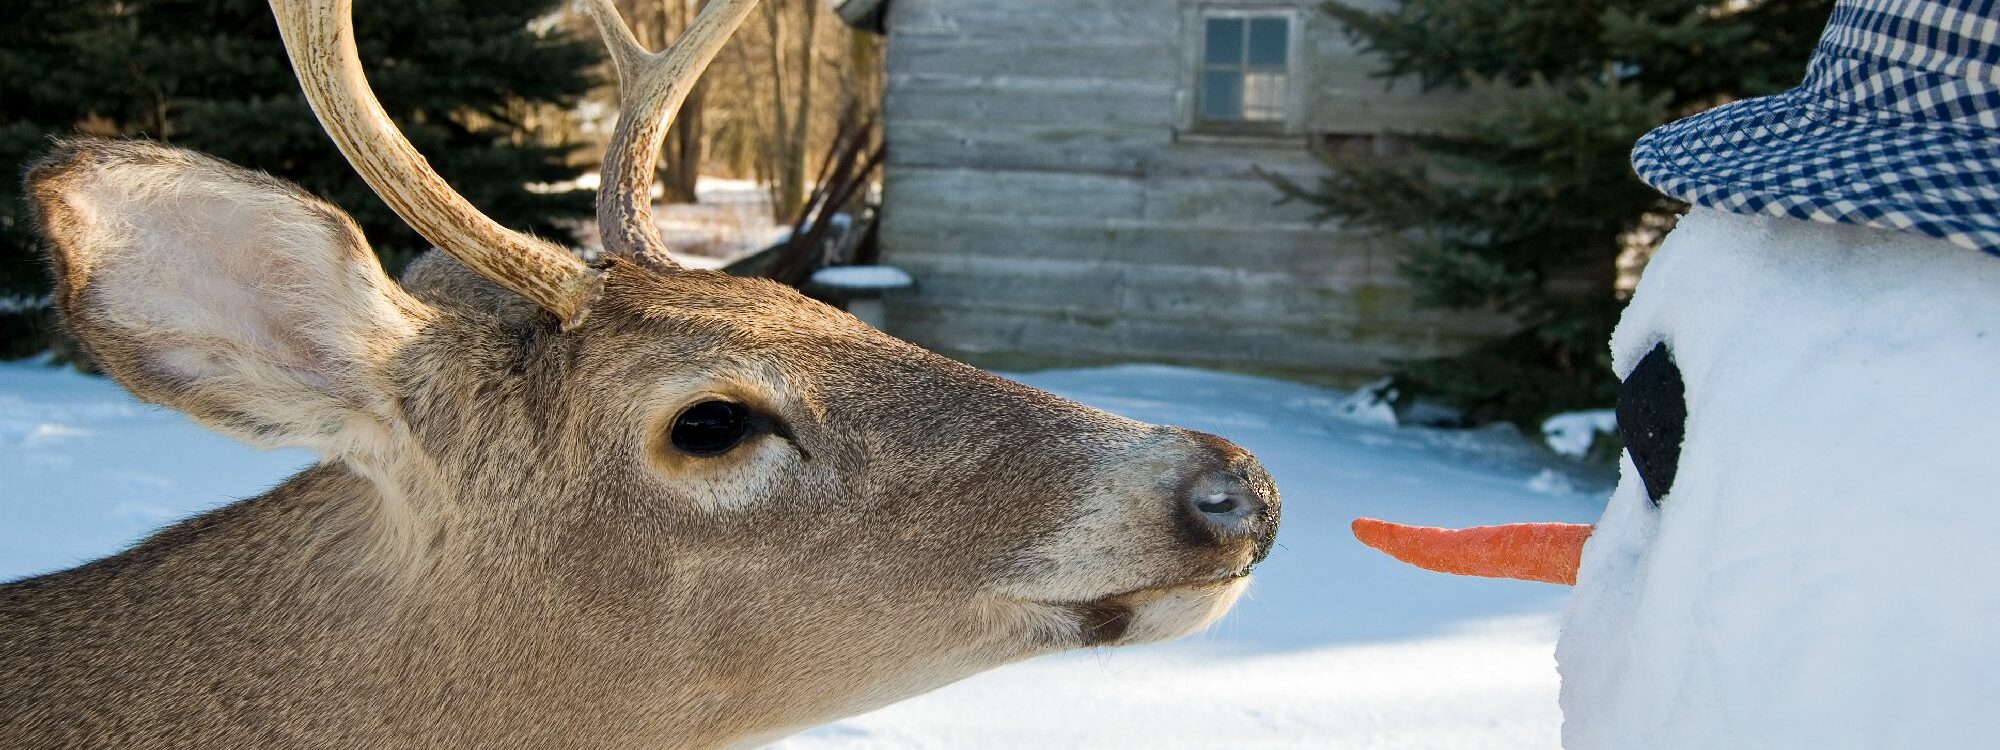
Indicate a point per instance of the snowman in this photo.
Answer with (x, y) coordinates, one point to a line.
(1804, 549)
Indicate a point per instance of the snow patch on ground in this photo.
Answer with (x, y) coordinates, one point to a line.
(1334, 646)
(85, 469)
(1572, 433)
(1374, 403)
(863, 277)
(1552, 482)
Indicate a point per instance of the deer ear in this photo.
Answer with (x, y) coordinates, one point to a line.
(222, 292)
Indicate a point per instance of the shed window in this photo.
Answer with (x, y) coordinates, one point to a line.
(1246, 67)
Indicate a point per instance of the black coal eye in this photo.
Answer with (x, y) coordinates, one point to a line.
(710, 428)
(1652, 418)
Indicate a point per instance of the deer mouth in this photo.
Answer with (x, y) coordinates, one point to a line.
(1155, 613)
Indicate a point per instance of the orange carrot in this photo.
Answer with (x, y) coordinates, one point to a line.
(1546, 552)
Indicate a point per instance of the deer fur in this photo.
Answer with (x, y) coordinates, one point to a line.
(500, 549)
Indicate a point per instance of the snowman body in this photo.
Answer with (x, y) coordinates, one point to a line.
(1825, 570)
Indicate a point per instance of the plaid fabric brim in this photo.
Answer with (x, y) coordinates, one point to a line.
(1857, 143)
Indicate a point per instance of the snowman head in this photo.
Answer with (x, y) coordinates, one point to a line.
(1804, 549)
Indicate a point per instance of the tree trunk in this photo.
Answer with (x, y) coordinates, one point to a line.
(801, 135)
(776, 151)
(680, 165)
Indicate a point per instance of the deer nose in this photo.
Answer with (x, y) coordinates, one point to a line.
(1232, 504)
(1226, 505)
(1222, 499)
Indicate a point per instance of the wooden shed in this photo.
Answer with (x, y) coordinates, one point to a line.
(1075, 181)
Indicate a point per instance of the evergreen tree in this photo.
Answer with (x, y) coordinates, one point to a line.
(212, 75)
(1522, 206)
(51, 60)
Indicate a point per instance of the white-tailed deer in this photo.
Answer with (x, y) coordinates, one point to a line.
(563, 505)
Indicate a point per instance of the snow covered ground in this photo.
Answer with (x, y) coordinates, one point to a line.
(1336, 646)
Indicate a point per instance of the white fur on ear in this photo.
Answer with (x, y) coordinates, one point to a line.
(222, 292)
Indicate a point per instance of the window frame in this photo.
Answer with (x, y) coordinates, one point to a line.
(1195, 66)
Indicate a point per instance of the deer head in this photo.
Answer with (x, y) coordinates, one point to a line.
(633, 502)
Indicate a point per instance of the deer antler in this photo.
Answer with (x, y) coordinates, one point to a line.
(651, 88)
(319, 38)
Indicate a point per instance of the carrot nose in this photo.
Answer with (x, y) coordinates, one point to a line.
(1546, 552)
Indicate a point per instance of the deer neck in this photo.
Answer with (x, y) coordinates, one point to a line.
(284, 594)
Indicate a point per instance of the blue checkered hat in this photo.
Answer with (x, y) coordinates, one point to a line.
(1897, 125)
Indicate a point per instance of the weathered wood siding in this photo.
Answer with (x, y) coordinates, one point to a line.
(1044, 189)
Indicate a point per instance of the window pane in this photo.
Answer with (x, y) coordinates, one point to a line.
(1222, 95)
(1270, 42)
(1264, 97)
(1225, 41)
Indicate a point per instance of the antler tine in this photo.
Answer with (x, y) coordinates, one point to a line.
(319, 38)
(651, 88)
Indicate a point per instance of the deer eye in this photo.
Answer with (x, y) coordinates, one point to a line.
(710, 428)
(1652, 418)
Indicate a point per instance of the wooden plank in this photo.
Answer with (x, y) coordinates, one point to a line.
(1033, 18)
(1068, 146)
(1079, 83)
(1304, 249)
(973, 192)
(1031, 101)
(1136, 58)
(1049, 133)
(1310, 351)
(1240, 201)
(1017, 156)
(966, 192)
(1204, 297)
(1019, 147)
(1227, 159)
